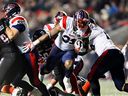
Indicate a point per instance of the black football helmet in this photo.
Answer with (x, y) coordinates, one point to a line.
(38, 33)
(11, 9)
(43, 46)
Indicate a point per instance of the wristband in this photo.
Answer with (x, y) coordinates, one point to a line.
(36, 42)
(49, 34)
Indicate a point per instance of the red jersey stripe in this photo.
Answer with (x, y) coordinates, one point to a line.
(64, 21)
(49, 27)
(17, 18)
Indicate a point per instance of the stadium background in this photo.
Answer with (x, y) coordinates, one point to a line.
(112, 15)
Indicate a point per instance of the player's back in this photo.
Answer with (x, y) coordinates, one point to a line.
(100, 40)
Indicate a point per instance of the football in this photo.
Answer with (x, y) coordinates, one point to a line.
(79, 47)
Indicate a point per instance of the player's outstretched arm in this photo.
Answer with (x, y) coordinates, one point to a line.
(48, 34)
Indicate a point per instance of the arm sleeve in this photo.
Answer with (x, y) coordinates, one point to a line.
(19, 27)
(19, 23)
(63, 23)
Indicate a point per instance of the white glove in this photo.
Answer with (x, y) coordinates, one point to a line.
(28, 46)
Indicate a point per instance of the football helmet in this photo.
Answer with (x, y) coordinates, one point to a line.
(38, 33)
(81, 18)
(59, 16)
(43, 46)
(11, 9)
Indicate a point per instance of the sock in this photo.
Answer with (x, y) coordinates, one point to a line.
(67, 84)
(74, 84)
(49, 86)
(86, 86)
(7, 89)
(11, 89)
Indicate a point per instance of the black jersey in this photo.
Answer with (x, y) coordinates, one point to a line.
(5, 44)
(3, 37)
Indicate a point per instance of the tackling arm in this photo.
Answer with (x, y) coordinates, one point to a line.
(49, 34)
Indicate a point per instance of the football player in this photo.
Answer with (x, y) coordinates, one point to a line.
(18, 32)
(11, 58)
(63, 51)
(110, 57)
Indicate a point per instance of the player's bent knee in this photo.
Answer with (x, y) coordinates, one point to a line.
(68, 64)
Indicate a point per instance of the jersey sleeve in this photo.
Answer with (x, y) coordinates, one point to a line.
(47, 27)
(18, 23)
(63, 23)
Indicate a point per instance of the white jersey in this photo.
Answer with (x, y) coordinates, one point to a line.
(125, 51)
(48, 27)
(100, 40)
(65, 40)
(20, 23)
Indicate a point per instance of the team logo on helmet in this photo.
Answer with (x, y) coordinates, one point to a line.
(81, 18)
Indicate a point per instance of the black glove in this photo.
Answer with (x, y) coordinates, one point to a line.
(5, 21)
(2, 25)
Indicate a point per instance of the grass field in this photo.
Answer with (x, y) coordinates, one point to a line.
(107, 89)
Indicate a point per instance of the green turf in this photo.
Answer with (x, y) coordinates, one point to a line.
(108, 89)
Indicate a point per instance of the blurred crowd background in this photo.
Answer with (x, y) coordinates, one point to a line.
(110, 14)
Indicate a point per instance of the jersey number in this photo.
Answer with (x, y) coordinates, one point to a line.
(4, 38)
(67, 39)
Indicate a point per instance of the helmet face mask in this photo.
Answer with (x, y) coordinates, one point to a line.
(82, 23)
(81, 19)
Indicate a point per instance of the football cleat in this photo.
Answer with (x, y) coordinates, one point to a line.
(19, 92)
